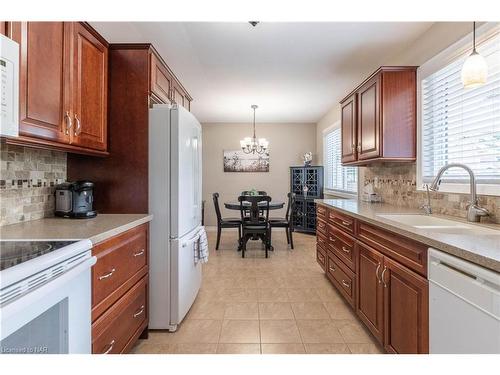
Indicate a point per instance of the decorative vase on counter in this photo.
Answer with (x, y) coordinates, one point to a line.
(307, 157)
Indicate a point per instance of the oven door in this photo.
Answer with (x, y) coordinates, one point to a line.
(53, 318)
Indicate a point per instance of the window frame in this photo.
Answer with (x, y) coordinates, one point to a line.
(330, 191)
(456, 51)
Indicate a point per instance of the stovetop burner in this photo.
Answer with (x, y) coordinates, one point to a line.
(13, 253)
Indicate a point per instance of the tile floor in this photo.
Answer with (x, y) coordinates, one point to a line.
(280, 305)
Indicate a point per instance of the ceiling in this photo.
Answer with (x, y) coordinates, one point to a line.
(295, 72)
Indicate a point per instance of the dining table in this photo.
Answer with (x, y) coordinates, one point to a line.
(273, 205)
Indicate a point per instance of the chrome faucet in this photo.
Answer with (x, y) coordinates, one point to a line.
(427, 207)
(474, 211)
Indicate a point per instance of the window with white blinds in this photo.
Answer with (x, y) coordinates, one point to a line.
(337, 177)
(462, 125)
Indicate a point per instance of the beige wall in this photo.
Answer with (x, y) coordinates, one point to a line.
(287, 144)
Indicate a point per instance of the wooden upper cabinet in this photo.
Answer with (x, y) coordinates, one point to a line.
(161, 81)
(385, 120)
(348, 129)
(368, 125)
(44, 89)
(370, 304)
(90, 86)
(164, 86)
(63, 86)
(3, 27)
(406, 310)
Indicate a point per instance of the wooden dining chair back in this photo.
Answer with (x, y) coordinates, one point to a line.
(255, 224)
(249, 193)
(287, 221)
(224, 222)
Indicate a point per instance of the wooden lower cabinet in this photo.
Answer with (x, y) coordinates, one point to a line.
(370, 298)
(406, 310)
(120, 291)
(382, 276)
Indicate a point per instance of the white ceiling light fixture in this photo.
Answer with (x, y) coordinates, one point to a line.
(250, 145)
(475, 69)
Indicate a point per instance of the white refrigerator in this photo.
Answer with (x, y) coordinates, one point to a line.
(175, 202)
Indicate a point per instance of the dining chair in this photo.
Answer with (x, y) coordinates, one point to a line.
(248, 192)
(287, 221)
(255, 225)
(224, 222)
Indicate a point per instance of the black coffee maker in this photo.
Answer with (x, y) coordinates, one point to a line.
(74, 200)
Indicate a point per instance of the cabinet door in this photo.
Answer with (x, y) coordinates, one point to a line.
(348, 128)
(406, 310)
(44, 91)
(178, 95)
(370, 306)
(368, 121)
(90, 73)
(161, 81)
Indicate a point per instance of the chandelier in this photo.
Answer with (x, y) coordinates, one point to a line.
(252, 145)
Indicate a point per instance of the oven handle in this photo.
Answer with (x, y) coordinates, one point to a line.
(30, 298)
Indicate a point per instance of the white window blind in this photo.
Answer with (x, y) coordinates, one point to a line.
(337, 177)
(462, 125)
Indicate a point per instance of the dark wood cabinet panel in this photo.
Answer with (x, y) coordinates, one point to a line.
(406, 310)
(44, 87)
(368, 124)
(3, 27)
(161, 81)
(348, 129)
(90, 83)
(370, 304)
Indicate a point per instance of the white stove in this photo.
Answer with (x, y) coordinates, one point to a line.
(45, 296)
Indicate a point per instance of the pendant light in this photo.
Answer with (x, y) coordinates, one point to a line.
(475, 69)
(250, 145)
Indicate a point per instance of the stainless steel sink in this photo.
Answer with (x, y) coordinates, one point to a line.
(438, 224)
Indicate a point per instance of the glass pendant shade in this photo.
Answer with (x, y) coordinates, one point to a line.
(474, 71)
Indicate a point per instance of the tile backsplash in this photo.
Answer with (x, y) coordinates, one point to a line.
(396, 183)
(27, 182)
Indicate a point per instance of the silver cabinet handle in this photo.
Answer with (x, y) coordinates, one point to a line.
(139, 253)
(69, 122)
(345, 223)
(139, 312)
(107, 275)
(346, 284)
(382, 277)
(332, 269)
(78, 128)
(376, 274)
(345, 250)
(111, 344)
(332, 239)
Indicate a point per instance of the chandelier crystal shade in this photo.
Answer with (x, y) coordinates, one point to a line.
(252, 145)
(475, 69)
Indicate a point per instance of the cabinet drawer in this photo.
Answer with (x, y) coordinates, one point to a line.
(342, 277)
(343, 222)
(118, 260)
(342, 246)
(321, 240)
(321, 211)
(406, 251)
(321, 226)
(321, 256)
(113, 330)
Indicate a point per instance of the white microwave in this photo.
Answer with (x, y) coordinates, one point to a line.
(9, 89)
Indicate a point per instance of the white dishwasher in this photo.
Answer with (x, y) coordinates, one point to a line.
(464, 306)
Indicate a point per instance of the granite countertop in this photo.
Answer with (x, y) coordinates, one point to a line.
(96, 229)
(483, 249)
